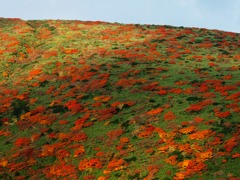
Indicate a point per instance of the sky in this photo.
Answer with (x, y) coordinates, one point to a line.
(211, 14)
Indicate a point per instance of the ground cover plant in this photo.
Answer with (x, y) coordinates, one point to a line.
(94, 100)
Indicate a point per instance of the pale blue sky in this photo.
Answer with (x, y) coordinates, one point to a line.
(211, 14)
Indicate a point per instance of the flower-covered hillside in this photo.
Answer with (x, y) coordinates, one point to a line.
(94, 100)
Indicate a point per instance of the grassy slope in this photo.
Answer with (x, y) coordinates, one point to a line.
(96, 100)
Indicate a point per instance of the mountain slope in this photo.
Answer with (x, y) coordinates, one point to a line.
(94, 100)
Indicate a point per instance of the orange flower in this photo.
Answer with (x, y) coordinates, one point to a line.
(194, 108)
(187, 130)
(70, 51)
(124, 140)
(227, 77)
(185, 148)
(106, 172)
(200, 134)
(99, 154)
(116, 164)
(35, 72)
(102, 178)
(79, 151)
(222, 114)
(35, 137)
(63, 136)
(172, 160)
(230, 144)
(144, 134)
(198, 119)
(74, 106)
(62, 153)
(5, 74)
(236, 155)
(21, 97)
(224, 160)
(179, 176)
(82, 120)
(22, 142)
(169, 116)
(163, 148)
(62, 169)
(211, 64)
(102, 98)
(203, 156)
(155, 111)
(162, 92)
(88, 164)
(80, 136)
(184, 164)
(176, 91)
(3, 162)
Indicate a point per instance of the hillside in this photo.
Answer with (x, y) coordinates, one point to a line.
(94, 100)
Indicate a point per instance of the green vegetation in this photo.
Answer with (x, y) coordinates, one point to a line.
(94, 100)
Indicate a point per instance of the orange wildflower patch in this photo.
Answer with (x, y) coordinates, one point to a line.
(62, 169)
(79, 151)
(187, 130)
(203, 156)
(124, 140)
(86, 164)
(172, 160)
(22, 142)
(227, 77)
(163, 149)
(116, 164)
(82, 120)
(102, 98)
(70, 51)
(162, 92)
(115, 133)
(62, 153)
(222, 114)
(194, 108)
(3, 162)
(169, 116)
(144, 134)
(78, 136)
(74, 106)
(198, 119)
(155, 111)
(185, 148)
(236, 155)
(200, 135)
(35, 72)
(230, 144)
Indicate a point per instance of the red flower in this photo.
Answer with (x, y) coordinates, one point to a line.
(230, 144)
(74, 106)
(194, 107)
(162, 92)
(222, 114)
(22, 142)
